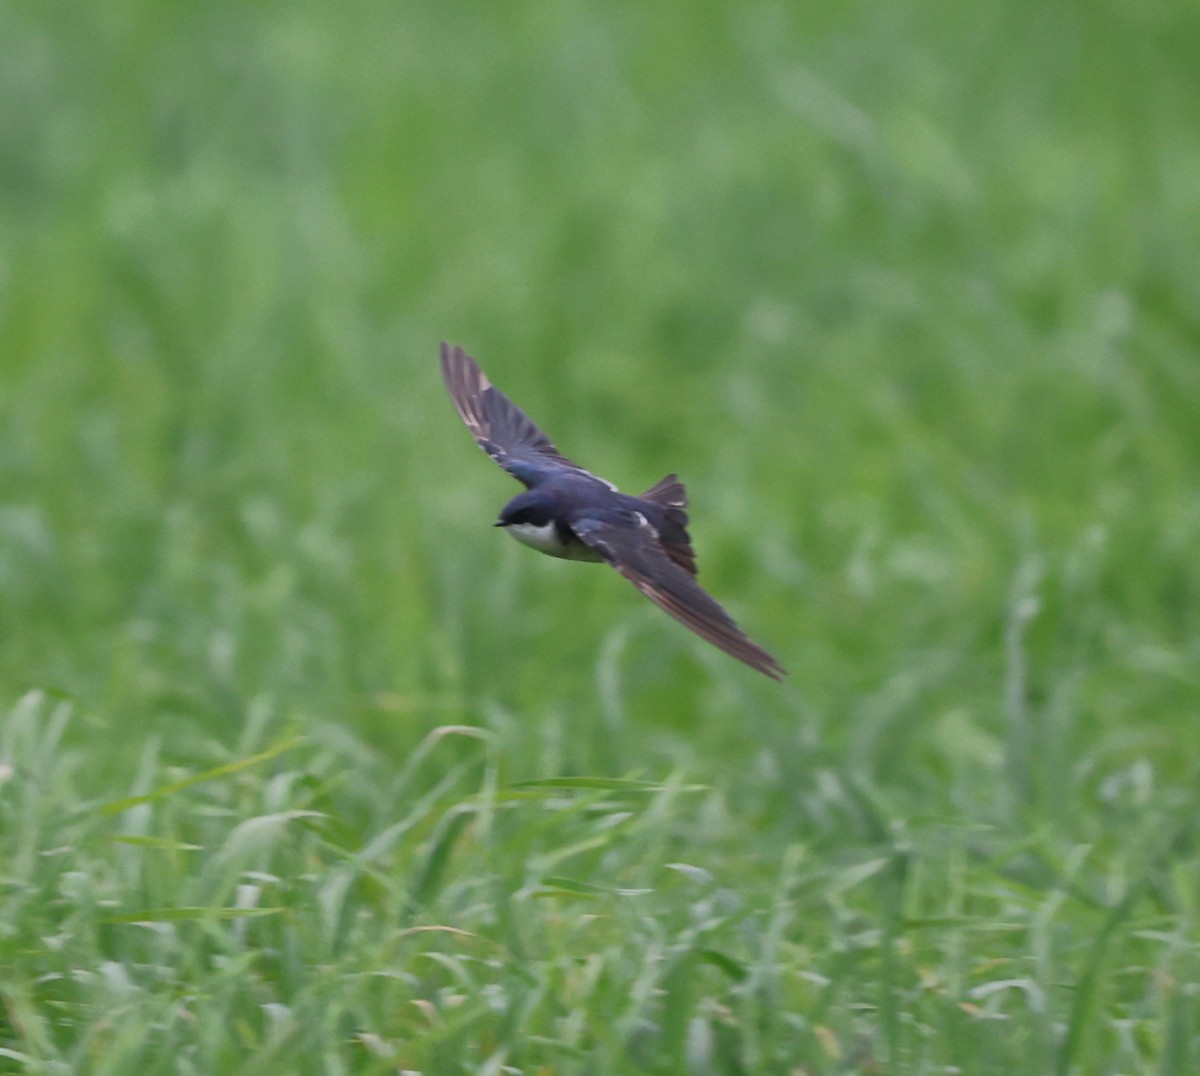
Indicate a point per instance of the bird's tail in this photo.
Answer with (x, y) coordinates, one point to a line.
(668, 493)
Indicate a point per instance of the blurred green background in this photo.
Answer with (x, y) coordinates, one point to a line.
(907, 295)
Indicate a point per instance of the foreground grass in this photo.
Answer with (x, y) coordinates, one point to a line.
(303, 769)
(311, 907)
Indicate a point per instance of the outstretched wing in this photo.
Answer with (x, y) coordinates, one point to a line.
(633, 548)
(502, 429)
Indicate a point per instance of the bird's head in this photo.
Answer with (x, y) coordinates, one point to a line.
(533, 508)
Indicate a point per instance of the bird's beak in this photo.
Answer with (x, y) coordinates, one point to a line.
(499, 523)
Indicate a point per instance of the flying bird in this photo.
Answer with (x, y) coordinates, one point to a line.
(570, 513)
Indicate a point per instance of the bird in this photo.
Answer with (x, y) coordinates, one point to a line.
(570, 513)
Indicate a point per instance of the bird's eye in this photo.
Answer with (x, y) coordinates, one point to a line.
(533, 515)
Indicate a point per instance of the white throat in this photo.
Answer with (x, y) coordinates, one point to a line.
(545, 539)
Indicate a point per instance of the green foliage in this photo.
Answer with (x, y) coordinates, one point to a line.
(304, 768)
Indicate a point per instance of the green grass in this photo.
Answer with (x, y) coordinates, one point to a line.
(304, 768)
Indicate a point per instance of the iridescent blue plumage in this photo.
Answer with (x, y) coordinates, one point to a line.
(569, 512)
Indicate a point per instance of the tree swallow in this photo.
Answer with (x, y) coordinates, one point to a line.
(568, 512)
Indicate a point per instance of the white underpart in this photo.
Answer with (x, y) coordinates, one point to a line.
(545, 540)
(542, 538)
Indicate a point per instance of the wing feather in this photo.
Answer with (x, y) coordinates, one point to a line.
(500, 427)
(634, 550)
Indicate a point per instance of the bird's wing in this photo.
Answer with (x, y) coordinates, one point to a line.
(502, 429)
(632, 547)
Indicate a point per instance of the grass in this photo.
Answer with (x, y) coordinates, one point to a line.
(303, 768)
